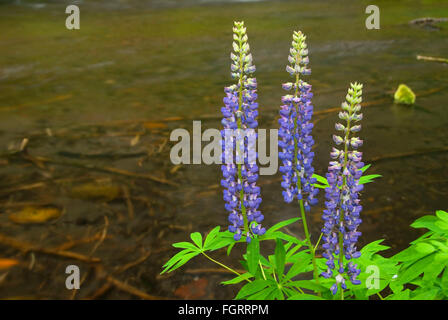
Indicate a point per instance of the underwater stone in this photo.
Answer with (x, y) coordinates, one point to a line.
(404, 95)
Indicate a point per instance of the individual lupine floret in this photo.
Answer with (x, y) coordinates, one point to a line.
(295, 129)
(240, 113)
(342, 214)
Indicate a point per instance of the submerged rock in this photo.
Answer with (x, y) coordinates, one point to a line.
(404, 95)
(31, 215)
(96, 192)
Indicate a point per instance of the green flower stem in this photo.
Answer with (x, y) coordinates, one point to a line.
(308, 239)
(298, 289)
(318, 241)
(239, 123)
(223, 265)
(344, 183)
(262, 271)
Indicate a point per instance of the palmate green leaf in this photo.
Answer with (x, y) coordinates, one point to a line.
(424, 247)
(253, 256)
(220, 243)
(230, 247)
(415, 269)
(179, 260)
(304, 254)
(305, 296)
(280, 255)
(373, 247)
(327, 283)
(323, 182)
(254, 287)
(278, 294)
(307, 284)
(265, 294)
(409, 254)
(441, 257)
(197, 239)
(361, 294)
(425, 236)
(244, 263)
(442, 215)
(442, 225)
(371, 283)
(299, 266)
(290, 254)
(444, 281)
(289, 292)
(279, 225)
(265, 262)
(425, 294)
(369, 178)
(185, 245)
(238, 279)
(210, 238)
(184, 260)
(440, 244)
(433, 270)
(367, 166)
(284, 236)
(428, 222)
(176, 257)
(182, 257)
(402, 295)
(219, 240)
(288, 245)
(377, 272)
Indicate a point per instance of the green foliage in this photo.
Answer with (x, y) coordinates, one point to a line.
(322, 182)
(214, 240)
(418, 272)
(424, 264)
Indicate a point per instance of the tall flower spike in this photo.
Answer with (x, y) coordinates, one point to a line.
(240, 113)
(341, 216)
(295, 129)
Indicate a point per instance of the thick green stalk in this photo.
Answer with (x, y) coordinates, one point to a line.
(240, 125)
(223, 265)
(344, 183)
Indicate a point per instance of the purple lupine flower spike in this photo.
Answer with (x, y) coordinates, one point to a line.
(295, 129)
(240, 113)
(341, 216)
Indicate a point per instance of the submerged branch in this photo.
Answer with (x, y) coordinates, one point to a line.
(40, 161)
(407, 154)
(27, 247)
(425, 58)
